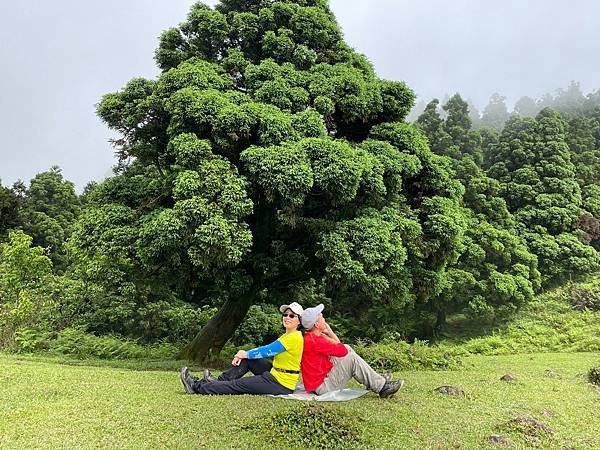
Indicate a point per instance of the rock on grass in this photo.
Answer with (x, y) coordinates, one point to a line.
(450, 390)
(502, 440)
(551, 373)
(508, 378)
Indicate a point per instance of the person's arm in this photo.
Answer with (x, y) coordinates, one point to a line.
(328, 332)
(329, 348)
(266, 351)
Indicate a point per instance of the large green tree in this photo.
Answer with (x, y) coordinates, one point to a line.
(9, 211)
(495, 273)
(268, 162)
(49, 206)
(495, 114)
(534, 166)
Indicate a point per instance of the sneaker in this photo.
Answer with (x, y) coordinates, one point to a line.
(186, 380)
(390, 388)
(188, 374)
(208, 376)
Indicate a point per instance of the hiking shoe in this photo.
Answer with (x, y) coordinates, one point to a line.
(187, 373)
(208, 376)
(390, 388)
(186, 380)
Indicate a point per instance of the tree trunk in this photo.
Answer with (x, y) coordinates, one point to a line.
(439, 323)
(218, 330)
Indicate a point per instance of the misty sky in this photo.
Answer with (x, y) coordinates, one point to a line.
(58, 59)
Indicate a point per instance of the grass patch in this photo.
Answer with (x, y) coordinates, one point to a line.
(533, 431)
(311, 425)
(47, 404)
(390, 356)
(550, 323)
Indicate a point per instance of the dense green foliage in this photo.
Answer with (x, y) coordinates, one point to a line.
(269, 162)
(45, 210)
(495, 273)
(536, 180)
(9, 211)
(533, 164)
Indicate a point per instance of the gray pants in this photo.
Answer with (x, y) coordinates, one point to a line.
(347, 367)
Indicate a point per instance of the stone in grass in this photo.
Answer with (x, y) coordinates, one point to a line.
(508, 378)
(450, 390)
(502, 440)
(551, 373)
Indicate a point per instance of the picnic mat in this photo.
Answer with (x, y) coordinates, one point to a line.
(341, 395)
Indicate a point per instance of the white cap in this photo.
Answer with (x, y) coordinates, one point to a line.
(295, 307)
(311, 315)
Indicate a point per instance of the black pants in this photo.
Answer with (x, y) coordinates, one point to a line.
(233, 382)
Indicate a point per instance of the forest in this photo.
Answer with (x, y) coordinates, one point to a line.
(268, 163)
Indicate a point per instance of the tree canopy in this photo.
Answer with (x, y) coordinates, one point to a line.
(268, 161)
(533, 164)
(495, 273)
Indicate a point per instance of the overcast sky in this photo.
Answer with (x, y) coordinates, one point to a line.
(59, 57)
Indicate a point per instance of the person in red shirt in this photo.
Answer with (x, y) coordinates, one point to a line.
(328, 365)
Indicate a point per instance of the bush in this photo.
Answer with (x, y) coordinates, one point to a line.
(586, 297)
(312, 426)
(27, 313)
(29, 340)
(173, 321)
(395, 356)
(594, 375)
(79, 344)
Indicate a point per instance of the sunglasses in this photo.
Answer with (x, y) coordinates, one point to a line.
(290, 315)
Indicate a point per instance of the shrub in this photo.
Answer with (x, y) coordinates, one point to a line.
(174, 321)
(395, 356)
(312, 426)
(77, 343)
(594, 375)
(261, 325)
(27, 313)
(29, 340)
(586, 297)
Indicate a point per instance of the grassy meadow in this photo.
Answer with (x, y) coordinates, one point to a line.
(46, 403)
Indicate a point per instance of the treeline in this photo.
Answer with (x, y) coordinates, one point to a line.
(268, 163)
(571, 102)
(535, 183)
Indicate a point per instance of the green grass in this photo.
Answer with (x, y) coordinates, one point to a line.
(547, 324)
(45, 403)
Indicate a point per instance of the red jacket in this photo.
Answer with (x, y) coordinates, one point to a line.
(315, 359)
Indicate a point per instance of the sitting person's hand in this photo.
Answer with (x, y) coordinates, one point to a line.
(329, 334)
(237, 359)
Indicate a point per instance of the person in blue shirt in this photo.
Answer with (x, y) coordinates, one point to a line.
(277, 377)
